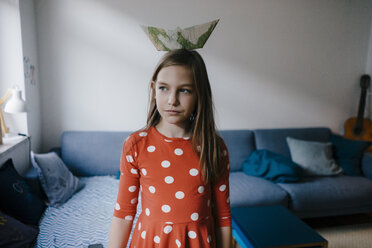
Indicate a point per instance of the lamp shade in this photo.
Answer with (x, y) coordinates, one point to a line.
(15, 103)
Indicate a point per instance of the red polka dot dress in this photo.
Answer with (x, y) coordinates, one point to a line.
(178, 209)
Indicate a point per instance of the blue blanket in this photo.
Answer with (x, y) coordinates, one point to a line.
(84, 219)
(271, 166)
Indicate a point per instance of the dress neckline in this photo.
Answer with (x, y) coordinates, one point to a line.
(169, 139)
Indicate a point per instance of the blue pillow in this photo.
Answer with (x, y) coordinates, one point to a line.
(58, 182)
(14, 233)
(16, 198)
(349, 153)
(271, 166)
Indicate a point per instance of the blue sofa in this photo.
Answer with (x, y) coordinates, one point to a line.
(94, 157)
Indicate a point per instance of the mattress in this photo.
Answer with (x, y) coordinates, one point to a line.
(84, 219)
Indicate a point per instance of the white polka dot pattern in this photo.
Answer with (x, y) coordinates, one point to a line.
(157, 239)
(152, 189)
(194, 216)
(151, 148)
(166, 208)
(169, 179)
(142, 134)
(222, 187)
(201, 189)
(128, 217)
(174, 171)
(178, 151)
(165, 164)
(130, 159)
(180, 195)
(167, 229)
(192, 234)
(194, 172)
(132, 188)
(178, 243)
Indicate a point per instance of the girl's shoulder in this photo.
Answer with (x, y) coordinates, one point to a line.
(135, 138)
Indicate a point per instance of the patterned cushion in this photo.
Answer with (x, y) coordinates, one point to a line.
(57, 181)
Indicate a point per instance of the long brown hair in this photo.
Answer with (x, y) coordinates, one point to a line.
(205, 140)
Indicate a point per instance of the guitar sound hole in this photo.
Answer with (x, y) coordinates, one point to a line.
(358, 131)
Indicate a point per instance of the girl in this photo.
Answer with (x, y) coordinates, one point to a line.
(178, 162)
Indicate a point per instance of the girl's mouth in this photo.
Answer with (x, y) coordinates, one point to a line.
(172, 112)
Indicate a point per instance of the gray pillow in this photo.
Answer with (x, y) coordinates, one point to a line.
(57, 181)
(316, 158)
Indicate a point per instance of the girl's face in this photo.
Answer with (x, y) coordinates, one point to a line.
(175, 95)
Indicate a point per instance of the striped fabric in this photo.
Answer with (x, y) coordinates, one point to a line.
(84, 219)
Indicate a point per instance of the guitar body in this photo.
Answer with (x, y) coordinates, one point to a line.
(360, 128)
(365, 134)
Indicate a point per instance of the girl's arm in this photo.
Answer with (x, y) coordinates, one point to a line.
(119, 232)
(224, 237)
(127, 198)
(221, 206)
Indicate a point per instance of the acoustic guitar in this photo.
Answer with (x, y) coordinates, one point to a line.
(360, 128)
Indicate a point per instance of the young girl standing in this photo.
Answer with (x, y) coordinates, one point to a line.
(178, 162)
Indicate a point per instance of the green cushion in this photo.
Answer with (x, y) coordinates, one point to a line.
(349, 153)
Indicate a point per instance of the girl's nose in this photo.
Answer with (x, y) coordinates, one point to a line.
(173, 99)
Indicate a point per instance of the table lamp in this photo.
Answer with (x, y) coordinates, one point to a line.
(15, 105)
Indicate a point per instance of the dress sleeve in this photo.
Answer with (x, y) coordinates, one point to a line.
(127, 198)
(221, 193)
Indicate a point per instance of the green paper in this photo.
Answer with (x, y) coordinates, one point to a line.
(188, 38)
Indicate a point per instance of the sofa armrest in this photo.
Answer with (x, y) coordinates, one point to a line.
(367, 165)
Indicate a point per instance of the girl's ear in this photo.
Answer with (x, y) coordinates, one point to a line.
(152, 85)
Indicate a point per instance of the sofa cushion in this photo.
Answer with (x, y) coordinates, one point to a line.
(252, 191)
(14, 233)
(57, 181)
(16, 198)
(240, 144)
(92, 153)
(271, 166)
(326, 196)
(315, 158)
(275, 139)
(349, 153)
(367, 165)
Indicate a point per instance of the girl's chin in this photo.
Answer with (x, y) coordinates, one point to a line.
(174, 120)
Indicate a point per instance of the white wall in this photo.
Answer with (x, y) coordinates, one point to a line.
(31, 78)
(11, 64)
(283, 63)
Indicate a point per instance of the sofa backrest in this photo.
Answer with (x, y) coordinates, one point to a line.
(92, 153)
(275, 139)
(240, 144)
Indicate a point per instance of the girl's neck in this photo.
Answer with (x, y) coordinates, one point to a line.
(172, 131)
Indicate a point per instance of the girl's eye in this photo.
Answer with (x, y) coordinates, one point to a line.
(185, 91)
(162, 88)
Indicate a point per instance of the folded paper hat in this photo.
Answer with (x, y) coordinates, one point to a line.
(188, 38)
